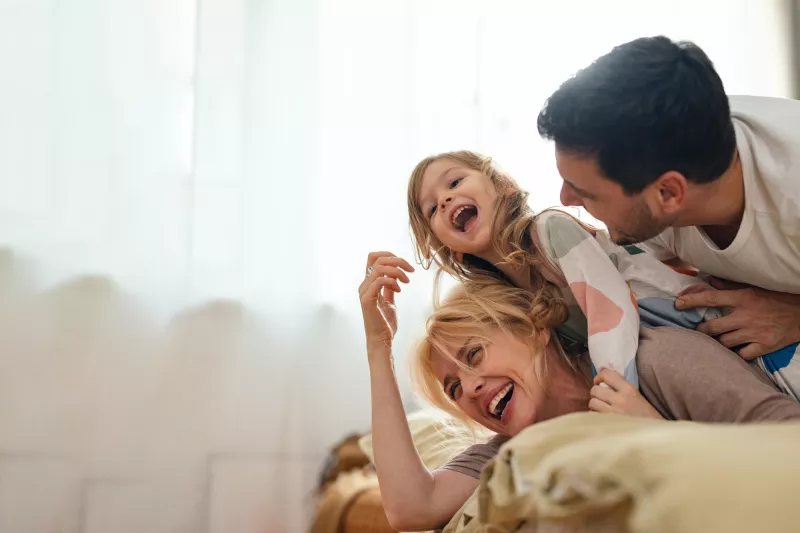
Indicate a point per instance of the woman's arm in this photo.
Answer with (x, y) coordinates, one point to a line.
(413, 497)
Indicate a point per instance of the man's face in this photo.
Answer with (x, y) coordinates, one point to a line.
(628, 217)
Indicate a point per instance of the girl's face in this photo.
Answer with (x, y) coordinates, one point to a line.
(458, 203)
(499, 389)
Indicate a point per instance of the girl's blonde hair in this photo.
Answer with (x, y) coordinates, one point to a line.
(471, 311)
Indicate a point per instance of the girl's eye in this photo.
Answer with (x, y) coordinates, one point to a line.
(433, 210)
(455, 182)
(475, 356)
(455, 391)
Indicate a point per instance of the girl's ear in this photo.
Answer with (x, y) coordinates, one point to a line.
(510, 192)
(458, 256)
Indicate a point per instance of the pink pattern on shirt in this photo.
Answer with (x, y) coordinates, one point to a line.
(601, 313)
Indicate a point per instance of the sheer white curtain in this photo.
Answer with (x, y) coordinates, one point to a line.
(257, 150)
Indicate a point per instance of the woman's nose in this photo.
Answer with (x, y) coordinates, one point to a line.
(473, 385)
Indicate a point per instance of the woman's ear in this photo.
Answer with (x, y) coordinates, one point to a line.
(545, 336)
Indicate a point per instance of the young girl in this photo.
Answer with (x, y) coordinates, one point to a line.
(470, 218)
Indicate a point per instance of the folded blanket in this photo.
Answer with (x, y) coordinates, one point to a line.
(600, 473)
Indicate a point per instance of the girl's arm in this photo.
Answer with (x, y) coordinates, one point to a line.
(601, 292)
(414, 499)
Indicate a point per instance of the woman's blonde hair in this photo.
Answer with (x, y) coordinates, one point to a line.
(471, 311)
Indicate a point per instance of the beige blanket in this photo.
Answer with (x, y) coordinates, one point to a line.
(603, 473)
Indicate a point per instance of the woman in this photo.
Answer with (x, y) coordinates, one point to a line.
(489, 356)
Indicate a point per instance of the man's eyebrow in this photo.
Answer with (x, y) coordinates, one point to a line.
(578, 190)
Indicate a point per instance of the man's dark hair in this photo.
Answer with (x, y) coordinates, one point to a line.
(647, 107)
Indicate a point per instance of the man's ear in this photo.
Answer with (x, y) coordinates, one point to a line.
(669, 192)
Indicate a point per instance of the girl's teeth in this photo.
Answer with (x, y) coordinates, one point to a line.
(456, 213)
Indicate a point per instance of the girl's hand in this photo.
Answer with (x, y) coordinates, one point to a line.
(619, 397)
(384, 272)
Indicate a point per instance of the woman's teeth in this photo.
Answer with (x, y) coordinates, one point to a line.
(494, 406)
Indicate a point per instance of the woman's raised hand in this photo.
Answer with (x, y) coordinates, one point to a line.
(384, 273)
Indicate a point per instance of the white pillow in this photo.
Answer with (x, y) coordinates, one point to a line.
(438, 437)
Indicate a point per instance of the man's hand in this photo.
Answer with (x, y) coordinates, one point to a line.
(759, 322)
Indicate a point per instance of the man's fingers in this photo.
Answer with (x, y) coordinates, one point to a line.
(718, 326)
(753, 350)
(694, 289)
(735, 338)
(711, 298)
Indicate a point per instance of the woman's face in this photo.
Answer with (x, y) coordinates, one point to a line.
(458, 203)
(499, 389)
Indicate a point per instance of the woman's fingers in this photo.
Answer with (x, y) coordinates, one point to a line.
(387, 258)
(373, 289)
(390, 271)
(383, 271)
(374, 256)
(385, 265)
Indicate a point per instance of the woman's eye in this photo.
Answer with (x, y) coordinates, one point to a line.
(455, 182)
(455, 390)
(475, 356)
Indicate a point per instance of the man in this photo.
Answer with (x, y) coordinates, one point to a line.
(648, 142)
